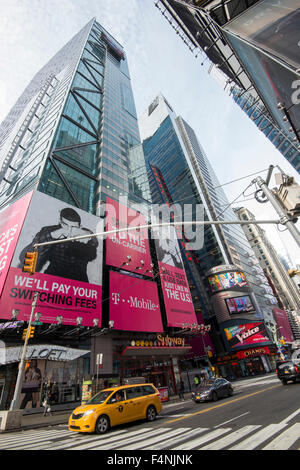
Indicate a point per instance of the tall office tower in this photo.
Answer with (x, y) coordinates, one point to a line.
(180, 173)
(71, 132)
(270, 262)
(255, 44)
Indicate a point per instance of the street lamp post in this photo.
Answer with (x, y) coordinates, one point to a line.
(15, 402)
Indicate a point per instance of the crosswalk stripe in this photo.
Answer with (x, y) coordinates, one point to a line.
(155, 439)
(286, 439)
(202, 439)
(107, 438)
(30, 440)
(76, 439)
(259, 437)
(136, 438)
(233, 437)
(20, 436)
(173, 441)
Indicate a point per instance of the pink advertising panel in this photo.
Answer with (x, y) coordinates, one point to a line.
(68, 275)
(127, 250)
(284, 329)
(57, 296)
(176, 291)
(11, 221)
(248, 334)
(134, 303)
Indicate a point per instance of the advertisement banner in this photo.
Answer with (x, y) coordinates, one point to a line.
(248, 334)
(223, 281)
(127, 250)
(134, 303)
(11, 221)
(68, 275)
(177, 297)
(283, 326)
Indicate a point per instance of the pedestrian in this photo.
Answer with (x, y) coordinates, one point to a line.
(46, 401)
(196, 381)
(171, 388)
(181, 389)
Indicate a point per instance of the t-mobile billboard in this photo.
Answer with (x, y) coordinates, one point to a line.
(283, 326)
(176, 292)
(248, 334)
(134, 303)
(11, 221)
(128, 250)
(68, 274)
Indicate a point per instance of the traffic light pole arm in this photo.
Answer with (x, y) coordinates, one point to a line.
(16, 399)
(163, 224)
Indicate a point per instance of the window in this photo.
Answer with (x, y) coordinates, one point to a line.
(148, 389)
(119, 395)
(134, 392)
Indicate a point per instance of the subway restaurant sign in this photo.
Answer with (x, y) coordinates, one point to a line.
(161, 341)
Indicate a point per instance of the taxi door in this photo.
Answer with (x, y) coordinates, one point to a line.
(136, 402)
(117, 408)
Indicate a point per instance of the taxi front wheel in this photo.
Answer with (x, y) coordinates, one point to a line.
(151, 413)
(102, 424)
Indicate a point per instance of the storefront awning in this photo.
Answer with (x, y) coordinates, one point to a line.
(155, 351)
(50, 352)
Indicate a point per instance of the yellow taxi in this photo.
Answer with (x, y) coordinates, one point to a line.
(114, 406)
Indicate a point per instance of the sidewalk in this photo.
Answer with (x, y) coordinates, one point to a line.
(37, 420)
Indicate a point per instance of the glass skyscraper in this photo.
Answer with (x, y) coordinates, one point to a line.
(73, 133)
(180, 173)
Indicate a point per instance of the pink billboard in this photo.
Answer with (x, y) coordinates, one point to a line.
(248, 334)
(134, 303)
(127, 250)
(57, 297)
(283, 327)
(68, 275)
(177, 297)
(11, 221)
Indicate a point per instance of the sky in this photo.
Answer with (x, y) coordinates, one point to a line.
(32, 31)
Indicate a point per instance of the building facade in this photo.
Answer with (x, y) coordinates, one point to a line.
(72, 165)
(254, 43)
(180, 174)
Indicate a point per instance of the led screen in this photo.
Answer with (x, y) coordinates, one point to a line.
(239, 304)
(227, 280)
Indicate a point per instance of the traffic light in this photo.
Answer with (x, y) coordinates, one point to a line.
(30, 333)
(30, 262)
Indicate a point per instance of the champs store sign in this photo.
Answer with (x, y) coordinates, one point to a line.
(161, 341)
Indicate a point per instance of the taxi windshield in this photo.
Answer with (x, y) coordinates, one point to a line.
(99, 398)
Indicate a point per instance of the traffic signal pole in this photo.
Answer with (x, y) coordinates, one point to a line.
(284, 218)
(16, 399)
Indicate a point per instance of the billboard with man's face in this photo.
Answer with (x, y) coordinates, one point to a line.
(176, 291)
(68, 275)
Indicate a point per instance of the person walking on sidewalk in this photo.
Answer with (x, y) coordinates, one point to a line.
(46, 402)
(181, 389)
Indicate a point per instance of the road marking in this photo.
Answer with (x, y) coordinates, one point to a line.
(233, 437)
(202, 440)
(286, 439)
(223, 404)
(259, 437)
(173, 441)
(291, 416)
(229, 421)
(154, 440)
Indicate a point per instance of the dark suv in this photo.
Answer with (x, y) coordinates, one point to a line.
(287, 370)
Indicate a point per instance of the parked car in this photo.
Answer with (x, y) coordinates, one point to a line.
(114, 406)
(287, 370)
(212, 389)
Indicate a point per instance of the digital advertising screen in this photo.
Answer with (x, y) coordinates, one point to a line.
(177, 297)
(68, 275)
(134, 303)
(128, 250)
(228, 280)
(248, 334)
(241, 304)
